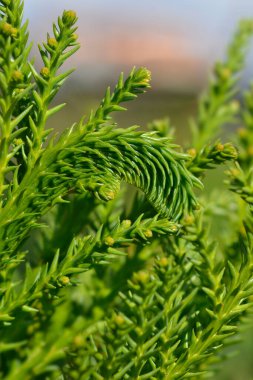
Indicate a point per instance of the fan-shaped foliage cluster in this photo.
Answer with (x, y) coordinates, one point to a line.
(112, 288)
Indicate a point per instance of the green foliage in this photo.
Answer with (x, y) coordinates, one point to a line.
(95, 285)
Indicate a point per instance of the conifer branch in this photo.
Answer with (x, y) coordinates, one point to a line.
(14, 87)
(98, 161)
(244, 138)
(211, 156)
(107, 289)
(136, 83)
(154, 347)
(218, 106)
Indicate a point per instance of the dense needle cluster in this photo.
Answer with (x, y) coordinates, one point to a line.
(112, 288)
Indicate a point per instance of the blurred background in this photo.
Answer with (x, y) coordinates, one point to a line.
(177, 40)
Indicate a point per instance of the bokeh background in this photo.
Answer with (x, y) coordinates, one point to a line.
(177, 40)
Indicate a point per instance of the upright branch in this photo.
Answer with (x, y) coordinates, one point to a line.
(15, 84)
(218, 105)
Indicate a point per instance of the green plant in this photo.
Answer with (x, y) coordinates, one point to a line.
(110, 288)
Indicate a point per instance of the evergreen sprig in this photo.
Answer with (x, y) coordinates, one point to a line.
(54, 174)
(211, 156)
(93, 286)
(218, 105)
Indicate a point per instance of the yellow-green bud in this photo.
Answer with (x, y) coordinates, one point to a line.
(18, 142)
(119, 320)
(32, 328)
(225, 73)
(52, 42)
(19, 91)
(126, 223)
(17, 76)
(230, 150)
(219, 147)
(234, 172)
(78, 341)
(139, 331)
(14, 32)
(74, 36)
(174, 228)
(45, 72)
(142, 76)
(192, 152)
(69, 17)
(64, 280)
(109, 195)
(109, 241)
(6, 28)
(188, 220)
(163, 262)
(141, 276)
(148, 76)
(148, 233)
